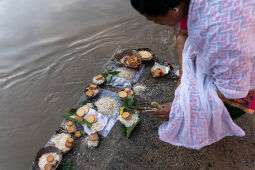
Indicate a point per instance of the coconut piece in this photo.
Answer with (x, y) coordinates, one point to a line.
(80, 112)
(91, 118)
(98, 77)
(122, 94)
(69, 123)
(93, 137)
(71, 129)
(92, 86)
(126, 115)
(68, 145)
(70, 140)
(50, 158)
(89, 93)
(47, 167)
(77, 134)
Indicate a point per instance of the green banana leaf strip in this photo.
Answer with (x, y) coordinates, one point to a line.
(67, 165)
(72, 111)
(68, 117)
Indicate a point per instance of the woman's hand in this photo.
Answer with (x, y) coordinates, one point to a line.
(163, 112)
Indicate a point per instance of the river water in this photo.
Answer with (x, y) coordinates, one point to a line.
(49, 49)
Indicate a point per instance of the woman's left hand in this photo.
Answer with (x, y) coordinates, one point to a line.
(163, 112)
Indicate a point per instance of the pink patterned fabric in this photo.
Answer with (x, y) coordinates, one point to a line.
(219, 52)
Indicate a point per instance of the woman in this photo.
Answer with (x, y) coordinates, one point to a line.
(217, 59)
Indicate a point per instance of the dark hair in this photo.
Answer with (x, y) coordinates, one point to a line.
(155, 7)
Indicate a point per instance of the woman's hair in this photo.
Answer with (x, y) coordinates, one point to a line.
(155, 8)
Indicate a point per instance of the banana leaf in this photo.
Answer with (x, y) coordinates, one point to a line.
(67, 165)
(128, 103)
(127, 131)
(72, 112)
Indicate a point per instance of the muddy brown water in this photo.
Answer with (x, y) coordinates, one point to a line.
(48, 51)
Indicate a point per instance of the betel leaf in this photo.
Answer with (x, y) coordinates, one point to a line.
(108, 75)
(67, 165)
(108, 78)
(68, 117)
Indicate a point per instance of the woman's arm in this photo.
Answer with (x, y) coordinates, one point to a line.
(163, 112)
(181, 39)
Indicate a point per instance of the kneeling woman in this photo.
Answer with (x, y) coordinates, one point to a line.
(217, 59)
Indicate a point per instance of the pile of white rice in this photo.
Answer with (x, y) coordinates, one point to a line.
(126, 73)
(106, 105)
(59, 141)
(96, 126)
(43, 159)
(129, 122)
(139, 89)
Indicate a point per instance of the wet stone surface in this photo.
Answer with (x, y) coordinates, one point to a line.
(144, 150)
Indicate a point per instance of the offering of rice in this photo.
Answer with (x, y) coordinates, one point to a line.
(96, 126)
(106, 105)
(139, 89)
(128, 123)
(48, 161)
(92, 140)
(99, 79)
(92, 90)
(146, 55)
(126, 73)
(60, 140)
(70, 127)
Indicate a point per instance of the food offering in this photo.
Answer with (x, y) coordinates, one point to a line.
(48, 158)
(146, 53)
(92, 140)
(92, 90)
(97, 120)
(159, 70)
(127, 92)
(128, 58)
(128, 117)
(76, 115)
(70, 126)
(98, 80)
(62, 141)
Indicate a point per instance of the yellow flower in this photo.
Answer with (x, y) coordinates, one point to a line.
(121, 110)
